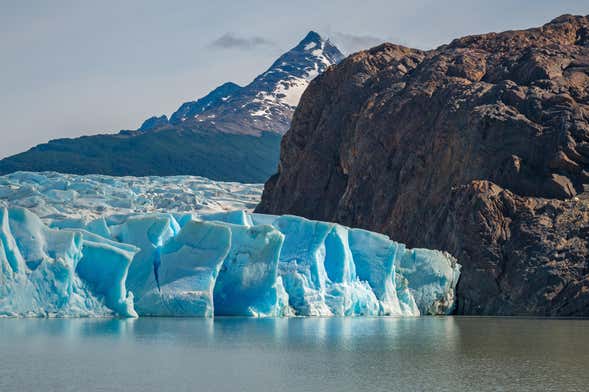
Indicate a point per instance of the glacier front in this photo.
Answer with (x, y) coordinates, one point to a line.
(62, 257)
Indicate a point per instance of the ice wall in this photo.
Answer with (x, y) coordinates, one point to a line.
(195, 263)
(60, 273)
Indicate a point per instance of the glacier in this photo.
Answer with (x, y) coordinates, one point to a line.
(94, 246)
(59, 273)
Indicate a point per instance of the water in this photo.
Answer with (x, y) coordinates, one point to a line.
(231, 354)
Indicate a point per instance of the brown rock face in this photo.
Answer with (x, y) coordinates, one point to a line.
(480, 148)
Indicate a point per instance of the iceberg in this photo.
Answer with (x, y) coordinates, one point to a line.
(62, 258)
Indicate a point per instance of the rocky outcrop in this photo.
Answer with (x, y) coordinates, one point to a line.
(524, 255)
(480, 147)
(153, 123)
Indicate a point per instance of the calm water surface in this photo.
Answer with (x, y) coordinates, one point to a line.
(230, 354)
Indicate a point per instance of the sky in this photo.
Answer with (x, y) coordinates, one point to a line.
(71, 68)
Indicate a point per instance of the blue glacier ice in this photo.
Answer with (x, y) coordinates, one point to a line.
(186, 270)
(429, 279)
(312, 250)
(148, 233)
(248, 283)
(103, 267)
(59, 273)
(84, 246)
(238, 217)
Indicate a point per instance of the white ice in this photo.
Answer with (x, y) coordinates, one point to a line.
(86, 248)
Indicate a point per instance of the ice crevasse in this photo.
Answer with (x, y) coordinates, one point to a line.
(230, 263)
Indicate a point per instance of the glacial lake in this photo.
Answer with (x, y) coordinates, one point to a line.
(297, 354)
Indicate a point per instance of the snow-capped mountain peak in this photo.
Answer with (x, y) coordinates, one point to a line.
(192, 109)
(286, 80)
(268, 102)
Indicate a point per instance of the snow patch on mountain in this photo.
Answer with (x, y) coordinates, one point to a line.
(267, 103)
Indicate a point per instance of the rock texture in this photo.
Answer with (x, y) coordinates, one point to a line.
(479, 147)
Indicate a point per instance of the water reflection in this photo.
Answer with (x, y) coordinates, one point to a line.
(339, 354)
(73, 329)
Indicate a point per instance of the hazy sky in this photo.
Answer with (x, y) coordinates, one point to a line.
(69, 68)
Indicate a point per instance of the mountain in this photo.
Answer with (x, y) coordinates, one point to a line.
(479, 147)
(231, 134)
(268, 102)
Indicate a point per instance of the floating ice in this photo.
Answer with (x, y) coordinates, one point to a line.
(190, 263)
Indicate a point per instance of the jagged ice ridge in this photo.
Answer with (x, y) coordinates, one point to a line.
(186, 263)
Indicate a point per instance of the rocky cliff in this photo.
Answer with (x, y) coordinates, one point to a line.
(479, 147)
